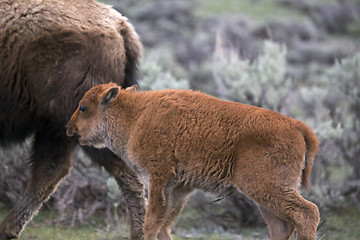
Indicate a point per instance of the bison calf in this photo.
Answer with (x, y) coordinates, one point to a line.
(183, 140)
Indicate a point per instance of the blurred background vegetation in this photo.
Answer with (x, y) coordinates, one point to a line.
(297, 57)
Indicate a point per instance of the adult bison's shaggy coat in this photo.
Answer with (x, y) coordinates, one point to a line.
(51, 53)
(181, 140)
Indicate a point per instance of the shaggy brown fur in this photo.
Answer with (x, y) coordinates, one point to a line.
(52, 52)
(181, 140)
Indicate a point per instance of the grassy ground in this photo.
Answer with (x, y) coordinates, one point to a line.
(260, 10)
(338, 225)
(257, 9)
(341, 224)
(42, 227)
(45, 232)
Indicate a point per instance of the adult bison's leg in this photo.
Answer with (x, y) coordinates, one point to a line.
(51, 161)
(129, 184)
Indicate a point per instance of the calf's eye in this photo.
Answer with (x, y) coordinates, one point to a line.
(82, 109)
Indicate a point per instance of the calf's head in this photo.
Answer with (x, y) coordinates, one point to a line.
(88, 121)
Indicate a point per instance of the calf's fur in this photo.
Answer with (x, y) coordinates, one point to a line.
(51, 53)
(183, 140)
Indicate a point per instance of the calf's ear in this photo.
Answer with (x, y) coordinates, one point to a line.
(133, 88)
(110, 95)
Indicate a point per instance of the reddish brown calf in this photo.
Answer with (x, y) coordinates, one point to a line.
(182, 140)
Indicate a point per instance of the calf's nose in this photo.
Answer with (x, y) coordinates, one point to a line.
(70, 131)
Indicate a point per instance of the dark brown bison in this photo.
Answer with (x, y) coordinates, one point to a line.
(51, 53)
(206, 143)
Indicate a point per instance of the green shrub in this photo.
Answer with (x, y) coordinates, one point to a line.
(154, 76)
(262, 82)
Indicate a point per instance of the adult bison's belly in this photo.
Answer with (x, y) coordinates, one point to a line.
(16, 122)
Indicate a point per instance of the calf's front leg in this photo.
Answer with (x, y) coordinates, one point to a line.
(158, 205)
(178, 198)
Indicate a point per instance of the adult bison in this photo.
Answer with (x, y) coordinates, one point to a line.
(51, 53)
(206, 143)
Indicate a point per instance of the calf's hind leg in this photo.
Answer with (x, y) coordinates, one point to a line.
(305, 216)
(51, 162)
(293, 209)
(280, 229)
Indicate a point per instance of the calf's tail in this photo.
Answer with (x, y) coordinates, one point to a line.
(312, 148)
